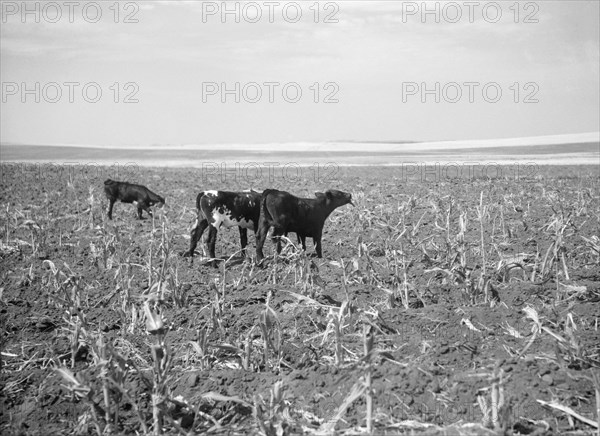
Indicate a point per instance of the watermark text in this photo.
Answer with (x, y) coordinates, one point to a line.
(69, 11)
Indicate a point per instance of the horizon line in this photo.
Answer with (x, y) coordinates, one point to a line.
(581, 137)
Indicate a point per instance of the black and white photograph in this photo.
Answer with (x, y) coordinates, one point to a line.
(308, 217)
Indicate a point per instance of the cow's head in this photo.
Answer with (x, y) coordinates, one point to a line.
(159, 203)
(335, 198)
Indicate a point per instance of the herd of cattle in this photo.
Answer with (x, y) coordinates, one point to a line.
(258, 211)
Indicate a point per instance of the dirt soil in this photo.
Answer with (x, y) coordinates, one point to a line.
(464, 335)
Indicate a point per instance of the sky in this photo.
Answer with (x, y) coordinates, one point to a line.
(156, 73)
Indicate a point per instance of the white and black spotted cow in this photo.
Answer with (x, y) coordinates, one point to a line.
(224, 208)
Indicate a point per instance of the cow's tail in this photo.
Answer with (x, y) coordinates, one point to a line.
(264, 210)
(109, 188)
(198, 200)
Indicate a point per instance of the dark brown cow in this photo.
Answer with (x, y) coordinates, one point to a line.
(126, 192)
(304, 216)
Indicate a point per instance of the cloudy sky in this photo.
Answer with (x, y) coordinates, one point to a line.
(380, 65)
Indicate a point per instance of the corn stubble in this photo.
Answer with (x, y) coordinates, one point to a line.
(302, 315)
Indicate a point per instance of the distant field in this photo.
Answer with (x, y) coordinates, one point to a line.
(574, 153)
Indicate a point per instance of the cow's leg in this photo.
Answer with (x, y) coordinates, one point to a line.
(243, 239)
(110, 207)
(278, 232)
(140, 208)
(261, 236)
(212, 240)
(195, 236)
(317, 241)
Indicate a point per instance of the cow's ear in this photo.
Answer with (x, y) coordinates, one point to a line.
(319, 195)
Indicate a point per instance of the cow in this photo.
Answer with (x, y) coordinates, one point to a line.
(224, 208)
(304, 216)
(126, 192)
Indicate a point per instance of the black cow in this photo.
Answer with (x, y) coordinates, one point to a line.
(126, 192)
(304, 216)
(224, 208)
